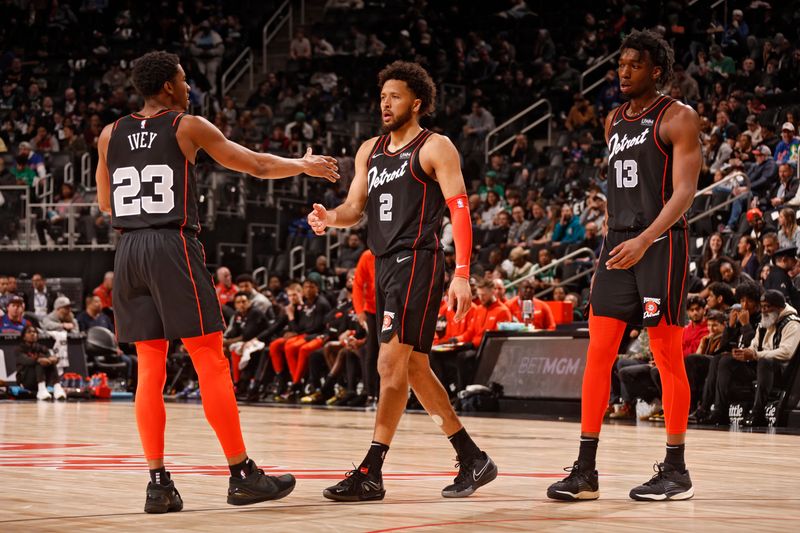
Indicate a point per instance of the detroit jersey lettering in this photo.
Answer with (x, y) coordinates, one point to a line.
(405, 206)
(639, 168)
(152, 183)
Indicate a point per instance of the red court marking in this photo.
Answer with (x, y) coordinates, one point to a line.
(581, 518)
(8, 446)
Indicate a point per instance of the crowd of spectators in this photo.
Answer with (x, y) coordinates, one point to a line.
(532, 204)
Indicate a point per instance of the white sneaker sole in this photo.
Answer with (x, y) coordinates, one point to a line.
(662, 497)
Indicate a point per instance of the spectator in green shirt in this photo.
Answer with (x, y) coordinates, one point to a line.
(721, 64)
(22, 172)
(490, 184)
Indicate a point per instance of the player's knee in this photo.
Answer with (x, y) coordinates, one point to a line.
(418, 368)
(392, 370)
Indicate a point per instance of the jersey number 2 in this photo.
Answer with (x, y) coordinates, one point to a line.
(627, 173)
(127, 199)
(385, 209)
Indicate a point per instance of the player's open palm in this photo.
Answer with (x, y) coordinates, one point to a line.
(318, 219)
(321, 166)
(459, 297)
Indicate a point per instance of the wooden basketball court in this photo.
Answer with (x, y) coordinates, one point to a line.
(78, 467)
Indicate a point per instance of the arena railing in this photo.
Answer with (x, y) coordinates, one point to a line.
(732, 178)
(71, 233)
(21, 212)
(241, 65)
(86, 172)
(283, 15)
(297, 262)
(599, 63)
(537, 269)
(489, 150)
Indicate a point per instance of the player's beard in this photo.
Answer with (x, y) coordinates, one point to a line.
(398, 122)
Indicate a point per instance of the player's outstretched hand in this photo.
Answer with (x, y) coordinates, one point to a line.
(318, 219)
(626, 254)
(321, 166)
(459, 295)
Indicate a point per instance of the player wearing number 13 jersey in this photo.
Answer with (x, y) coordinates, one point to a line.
(404, 180)
(654, 161)
(162, 289)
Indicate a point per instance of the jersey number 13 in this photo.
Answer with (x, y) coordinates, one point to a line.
(627, 173)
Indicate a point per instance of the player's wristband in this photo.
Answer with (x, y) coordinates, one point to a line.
(462, 233)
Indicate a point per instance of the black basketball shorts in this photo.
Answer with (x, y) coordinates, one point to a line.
(408, 293)
(162, 288)
(653, 289)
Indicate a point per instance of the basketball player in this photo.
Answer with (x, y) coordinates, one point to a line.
(654, 162)
(404, 179)
(162, 289)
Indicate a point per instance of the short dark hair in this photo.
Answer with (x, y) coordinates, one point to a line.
(695, 300)
(716, 316)
(241, 278)
(719, 288)
(153, 70)
(750, 290)
(418, 80)
(660, 52)
(241, 293)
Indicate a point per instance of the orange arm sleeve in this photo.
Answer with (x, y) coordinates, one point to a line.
(462, 233)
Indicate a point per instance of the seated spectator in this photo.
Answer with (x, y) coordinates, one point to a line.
(56, 220)
(306, 323)
(33, 160)
(103, 291)
(244, 326)
(93, 315)
(9, 291)
(739, 331)
(788, 230)
(226, 291)
(246, 284)
(491, 207)
(784, 191)
(764, 361)
(485, 318)
(697, 328)
(37, 367)
(547, 277)
(720, 296)
(788, 146)
(635, 382)
(490, 184)
(13, 322)
(568, 230)
(325, 278)
(763, 171)
(581, 115)
(62, 318)
(41, 300)
(349, 254)
(519, 265)
(521, 229)
(747, 250)
(712, 250)
(595, 210)
(542, 314)
(756, 226)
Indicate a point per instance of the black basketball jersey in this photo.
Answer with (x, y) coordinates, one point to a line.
(639, 168)
(152, 183)
(405, 206)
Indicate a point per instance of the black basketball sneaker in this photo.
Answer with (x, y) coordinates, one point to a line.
(357, 486)
(162, 498)
(259, 487)
(580, 484)
(472, 474)
(667, 484)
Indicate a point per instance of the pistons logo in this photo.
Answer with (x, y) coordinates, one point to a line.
(652, 307)
(388, 321)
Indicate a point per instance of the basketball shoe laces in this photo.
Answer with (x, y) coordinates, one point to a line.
(658, 468)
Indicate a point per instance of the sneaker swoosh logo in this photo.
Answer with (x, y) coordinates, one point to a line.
(476, 475)
(401, 259)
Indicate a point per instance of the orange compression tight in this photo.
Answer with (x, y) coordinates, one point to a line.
(605, 334)
(667, 347)
(216, 389)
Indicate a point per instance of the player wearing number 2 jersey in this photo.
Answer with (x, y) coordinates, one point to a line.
(162, 289)
(653, 164)
(404, 179)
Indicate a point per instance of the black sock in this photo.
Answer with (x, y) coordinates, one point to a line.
(160, 476)
(588, 453)
(674, 456)
(465, 447)
(373, 462)
(243, 469)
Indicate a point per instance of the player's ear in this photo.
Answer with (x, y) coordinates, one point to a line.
(657, 71)
(169, 87)
(417, 105)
